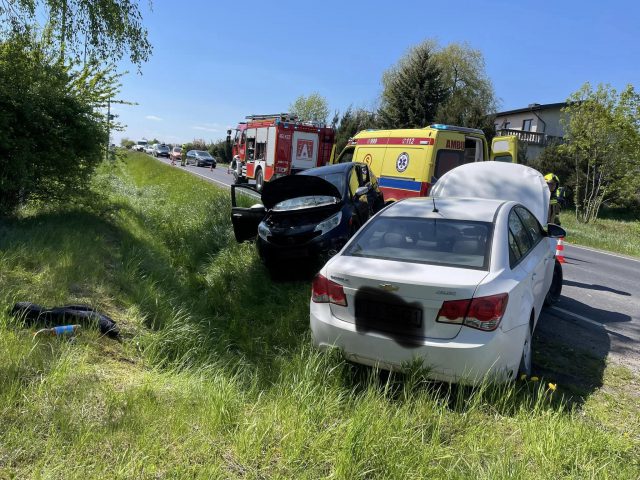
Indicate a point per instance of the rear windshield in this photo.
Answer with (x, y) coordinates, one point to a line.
(201, 153)
(455, 243)
(305, 202)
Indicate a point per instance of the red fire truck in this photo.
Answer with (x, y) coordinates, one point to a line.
(269, 146)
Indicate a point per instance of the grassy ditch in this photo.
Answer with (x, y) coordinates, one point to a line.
(611, 234)
(216, 378)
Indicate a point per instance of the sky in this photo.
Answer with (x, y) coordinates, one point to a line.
(215, 62)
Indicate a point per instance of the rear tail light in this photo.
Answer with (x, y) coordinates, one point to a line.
(482, 313)
(324, 290)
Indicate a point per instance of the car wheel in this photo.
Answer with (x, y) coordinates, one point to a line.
(213, 165)
(553, 295)
(527, 354)
(259, 180)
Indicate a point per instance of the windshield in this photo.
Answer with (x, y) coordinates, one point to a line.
(163, 147)
(336, 179)
(305, 202)
(177, 149)
(455, 243)
(200, 153)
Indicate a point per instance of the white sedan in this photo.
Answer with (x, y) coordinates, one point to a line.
(456, 283)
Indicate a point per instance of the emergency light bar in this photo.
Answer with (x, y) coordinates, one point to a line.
(440, 126)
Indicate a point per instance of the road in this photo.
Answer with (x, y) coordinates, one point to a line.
(599, 310)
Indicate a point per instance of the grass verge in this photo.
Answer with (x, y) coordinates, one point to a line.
(613, 235)
(215, 377)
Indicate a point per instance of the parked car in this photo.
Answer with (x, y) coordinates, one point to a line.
(161, 150)
(308, 215)
(200, 158)
(149, 149)
(175, 153)
(455, 281)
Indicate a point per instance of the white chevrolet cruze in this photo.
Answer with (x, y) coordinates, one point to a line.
(456, 281)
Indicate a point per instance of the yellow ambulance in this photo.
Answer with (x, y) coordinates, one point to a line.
(408, 161)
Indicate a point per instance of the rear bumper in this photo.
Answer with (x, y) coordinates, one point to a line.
(466, 359)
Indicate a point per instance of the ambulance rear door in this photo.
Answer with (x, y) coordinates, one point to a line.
(505, 149)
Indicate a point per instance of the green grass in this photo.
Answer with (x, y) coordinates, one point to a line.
(614, 235)
(216, 377)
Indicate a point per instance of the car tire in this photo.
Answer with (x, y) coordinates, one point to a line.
(526, 361)
(555, 290)
(259, 180)
(213, 165)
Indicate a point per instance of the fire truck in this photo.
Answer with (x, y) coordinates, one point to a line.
(269, 146)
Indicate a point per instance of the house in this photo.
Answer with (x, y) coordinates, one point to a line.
(537, 126)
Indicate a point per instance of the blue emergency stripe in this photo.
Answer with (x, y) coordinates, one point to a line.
(402, 184)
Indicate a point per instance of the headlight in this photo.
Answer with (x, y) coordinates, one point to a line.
(263, 230)
(329, 224)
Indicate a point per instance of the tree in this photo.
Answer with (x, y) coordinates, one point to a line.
(413, 89)
(602, 134)
(470, 98)
(313, 108)
(51, 133)
(127, 143)
(103, 30)
(351, 122)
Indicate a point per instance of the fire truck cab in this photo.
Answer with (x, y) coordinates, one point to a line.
(269, 146)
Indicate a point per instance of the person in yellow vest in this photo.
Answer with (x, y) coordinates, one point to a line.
(556, 201)
(183, 155)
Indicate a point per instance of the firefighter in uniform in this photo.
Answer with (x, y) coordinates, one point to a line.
(183, 155)
(556, 202)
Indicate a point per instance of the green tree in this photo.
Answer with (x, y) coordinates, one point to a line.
(103, 30)
(413, 89)
(470, 98)
(602, 134)
(313, 108)
(351, 122)
(51, 132)
(127, 143)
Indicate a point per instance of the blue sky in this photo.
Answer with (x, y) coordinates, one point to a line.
(216, 62)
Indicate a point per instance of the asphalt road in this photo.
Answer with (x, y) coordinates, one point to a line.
(599, 310)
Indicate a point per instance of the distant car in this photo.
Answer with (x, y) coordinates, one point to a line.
(161, 150)
(200, 158)
(149, 149)
(455, 281)
(310, 215)
(175, 153)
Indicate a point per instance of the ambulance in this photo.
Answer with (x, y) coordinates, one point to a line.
(408, 162)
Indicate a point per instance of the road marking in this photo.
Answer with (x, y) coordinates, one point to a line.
(580, 317)
(624, 257)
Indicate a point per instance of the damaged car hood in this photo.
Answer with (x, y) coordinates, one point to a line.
(294, 186)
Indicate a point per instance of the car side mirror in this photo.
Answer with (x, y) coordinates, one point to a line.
(361, 191)
(555, 231)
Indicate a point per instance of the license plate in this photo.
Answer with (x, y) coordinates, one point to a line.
(388, 316)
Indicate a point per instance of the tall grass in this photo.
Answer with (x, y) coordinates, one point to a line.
(216, 377)
(614, 235)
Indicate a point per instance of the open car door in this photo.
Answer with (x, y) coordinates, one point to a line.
(245, 220)
(505, 149)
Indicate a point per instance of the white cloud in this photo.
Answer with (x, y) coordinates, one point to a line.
(154, 118)
(205, 128)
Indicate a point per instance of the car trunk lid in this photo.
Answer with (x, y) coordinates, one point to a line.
(400, 299)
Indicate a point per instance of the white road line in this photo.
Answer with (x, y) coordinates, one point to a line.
(624, 257)
(579, 317)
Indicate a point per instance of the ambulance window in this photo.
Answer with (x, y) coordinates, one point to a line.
(347, 155)
(504, 158)
(447, 160)
(472, 150)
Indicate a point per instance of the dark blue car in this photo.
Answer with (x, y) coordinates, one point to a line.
(308, 216)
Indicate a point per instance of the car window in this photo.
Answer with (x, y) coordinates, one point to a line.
(531, 224)
(520, 234)
(448, 160)
(347, 155)
(458, 243)
(363, 174)
(337, 179)
(354, 182)
(514, 251)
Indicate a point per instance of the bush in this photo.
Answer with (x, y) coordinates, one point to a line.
(50, 135)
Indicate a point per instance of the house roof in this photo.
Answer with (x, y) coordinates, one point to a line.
(534, 107)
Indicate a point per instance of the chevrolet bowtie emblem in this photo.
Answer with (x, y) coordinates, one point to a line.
(387, 287)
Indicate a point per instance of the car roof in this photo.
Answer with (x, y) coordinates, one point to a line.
(453, 208)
